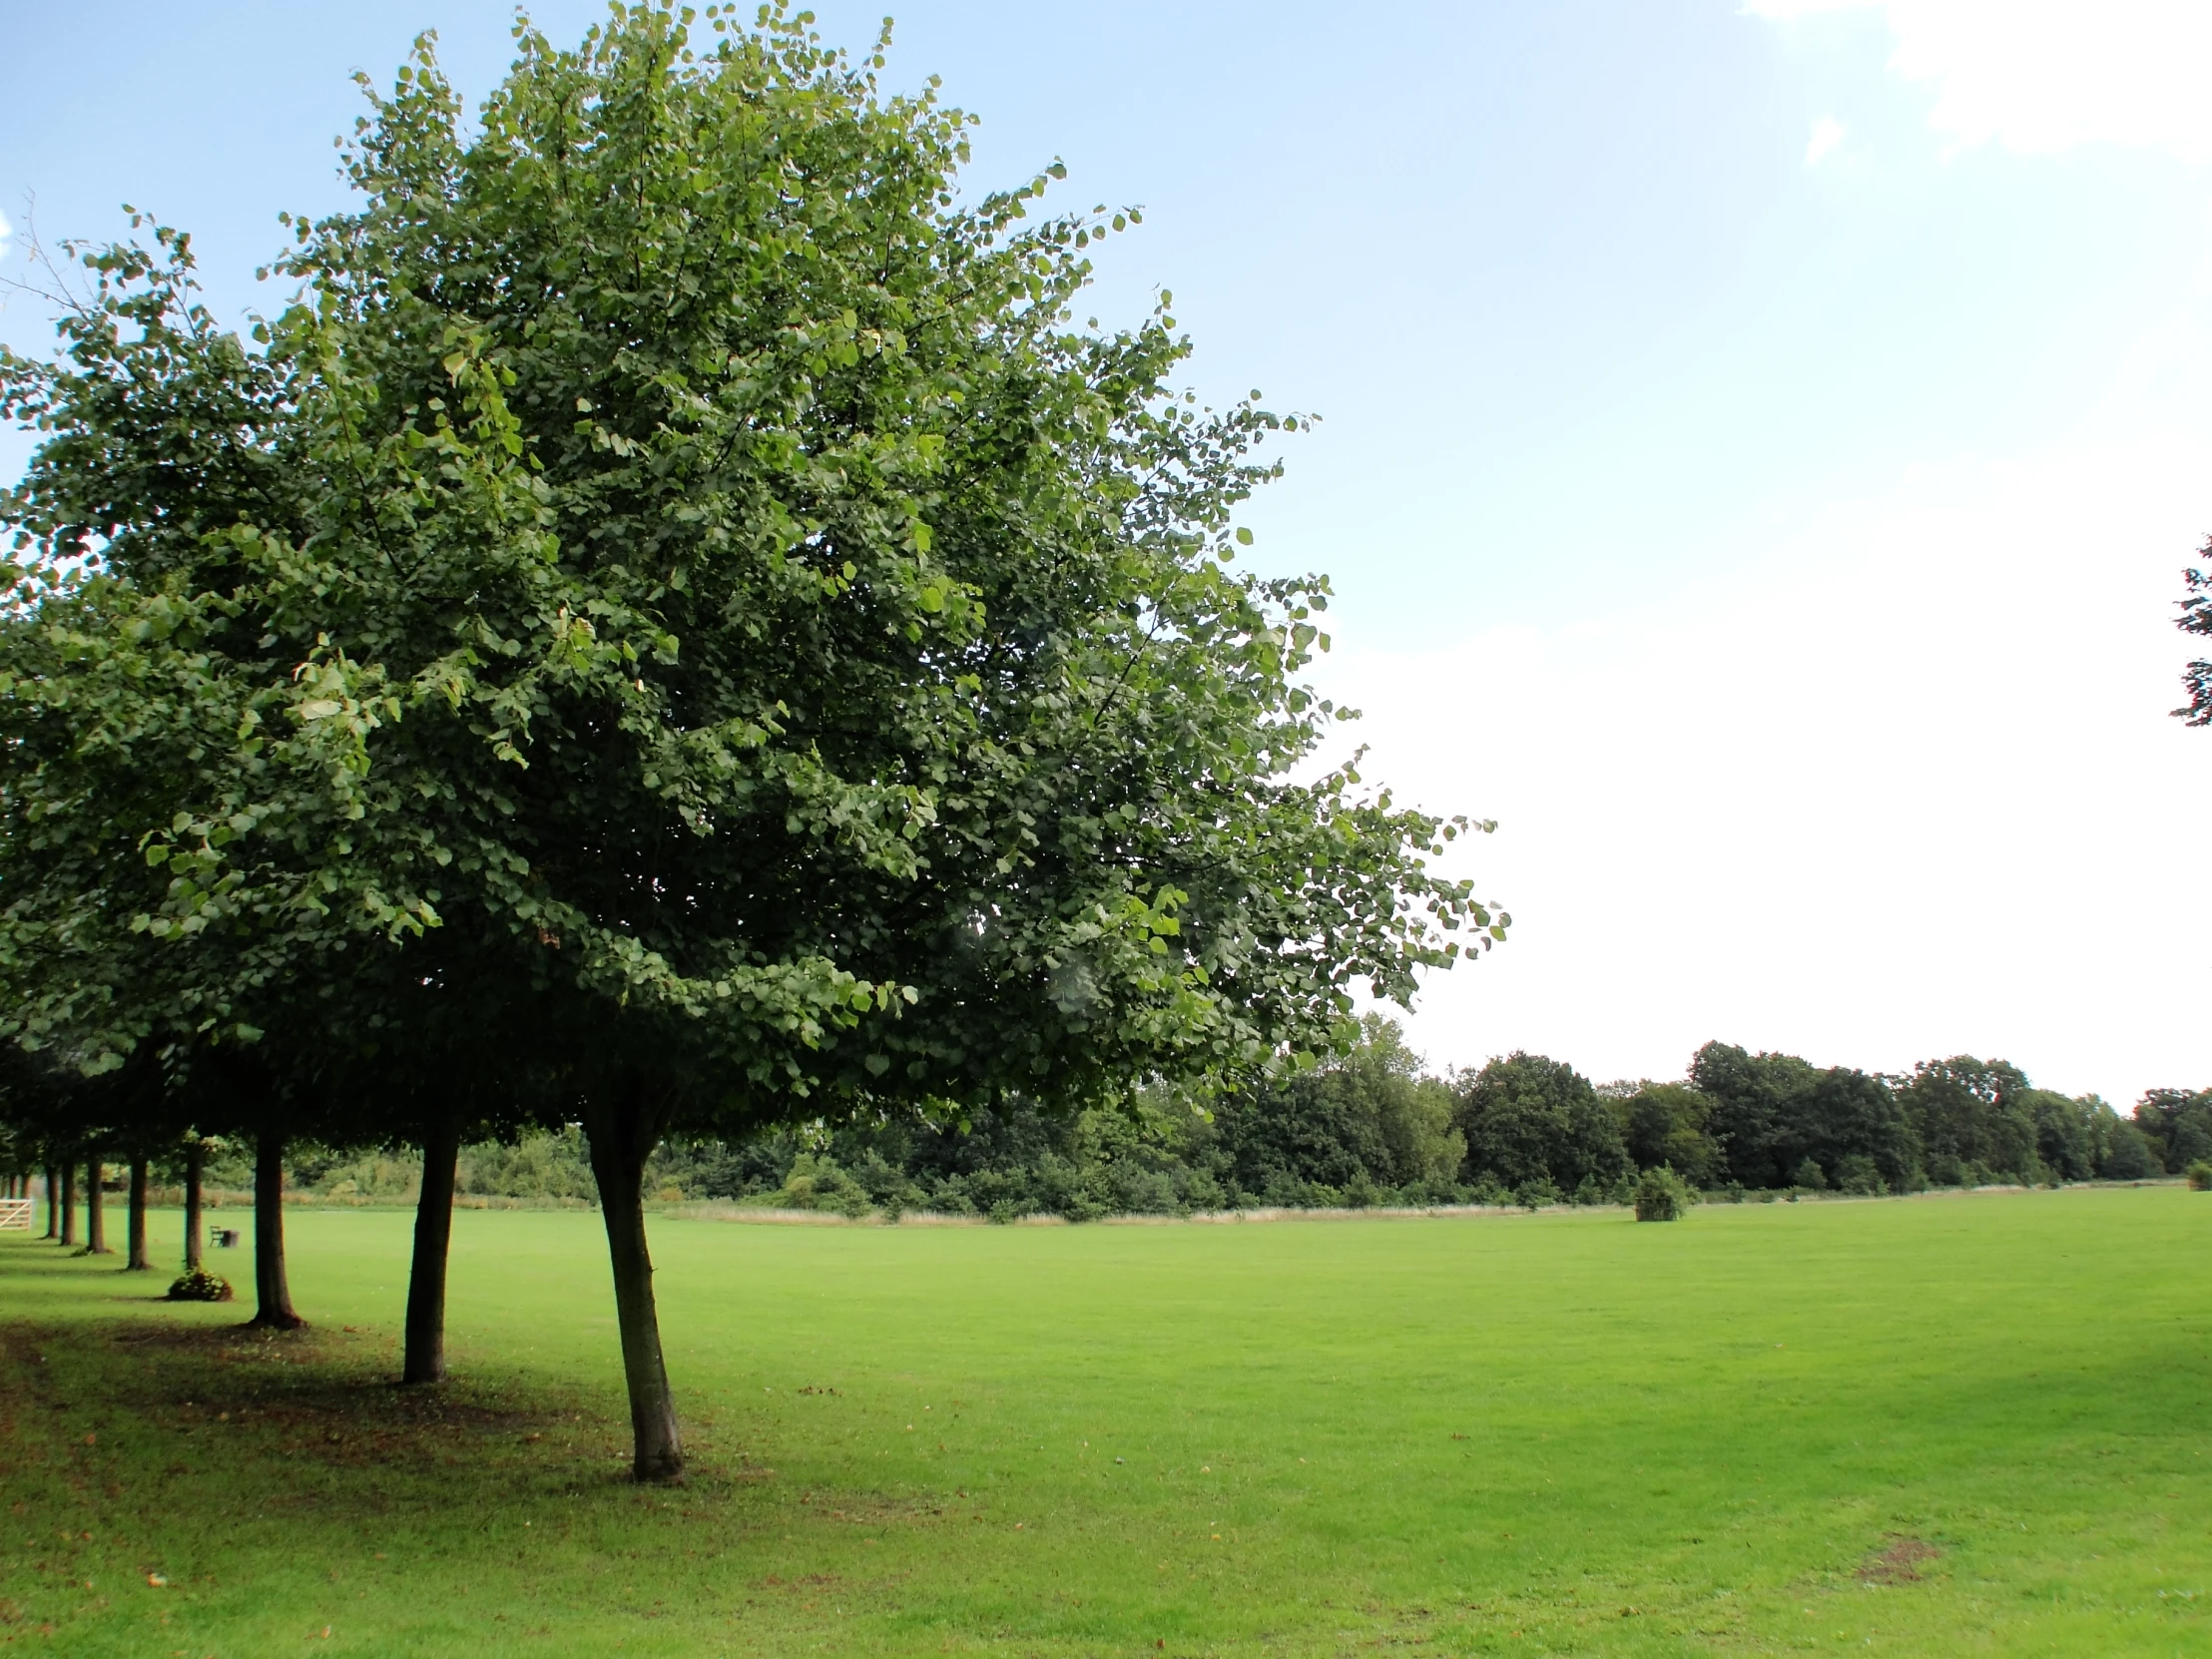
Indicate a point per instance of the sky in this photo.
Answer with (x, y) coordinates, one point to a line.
(1759, 445)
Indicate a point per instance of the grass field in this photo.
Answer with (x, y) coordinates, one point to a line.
(1963, 1424)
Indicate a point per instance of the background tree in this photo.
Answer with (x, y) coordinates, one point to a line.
(1972, 1121)
(2177, 1126)
(1529, 1121)
(2066, 1134)
(1756, 1115)
(1772, 1114)
(1668, 1125)
(2196, 618)
(1365, 1128)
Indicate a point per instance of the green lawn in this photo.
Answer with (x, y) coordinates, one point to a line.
(1555, 1434)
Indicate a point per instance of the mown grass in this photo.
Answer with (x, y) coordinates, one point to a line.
(1969, 1425)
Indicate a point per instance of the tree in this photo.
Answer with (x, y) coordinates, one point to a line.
(1757, 1116)
(2196, 618)
(1971, 1120)
(1862, 1137)
(170, 862)
(178, 872)
(2177, 1125)
(2066, 1133)
(1355, 1128)
(2122, 1152)
(196, 1153)
(1667, 1126)
(1528, 1119)
(1772, 1113)
(706, 587)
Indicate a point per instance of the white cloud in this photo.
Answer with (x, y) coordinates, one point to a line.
(1912, 791)
(6, 230)
(1828, 133)
(2040, 76)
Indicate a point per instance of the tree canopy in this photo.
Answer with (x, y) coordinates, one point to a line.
(681, 600)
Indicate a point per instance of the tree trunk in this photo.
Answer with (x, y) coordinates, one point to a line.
(138, 1262)
(433, 1235)
(620, 1141)
(196, 1154)
(96, 1215)
(53, 1202)
(272, 1295)
(69, 1204)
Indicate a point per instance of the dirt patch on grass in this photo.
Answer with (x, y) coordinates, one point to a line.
(1899, 1562)
(875, 1509)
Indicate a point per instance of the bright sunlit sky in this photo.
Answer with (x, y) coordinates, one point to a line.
(1760, 444)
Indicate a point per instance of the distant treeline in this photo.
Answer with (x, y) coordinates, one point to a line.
(1374, 1129)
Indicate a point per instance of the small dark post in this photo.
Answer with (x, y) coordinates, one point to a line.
(138, 1261)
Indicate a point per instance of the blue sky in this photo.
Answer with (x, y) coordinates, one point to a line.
(1758, 444)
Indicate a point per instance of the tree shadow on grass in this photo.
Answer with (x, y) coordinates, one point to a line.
(53, 1261)
(311, 1418)
(286, 1406)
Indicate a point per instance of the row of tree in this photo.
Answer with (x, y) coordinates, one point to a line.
(1371, 1128)
(676, 628)
(1368, 1128)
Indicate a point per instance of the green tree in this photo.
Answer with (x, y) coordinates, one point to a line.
(2122, 1152)
(1527, 1120)
(1756, 1112)
(1774, 1112)
(1971, 1120)
(180, 791)
(1362, 1125)
(1668, 1125)
(742, 625)
(2177, 1126)
(2066, 1132)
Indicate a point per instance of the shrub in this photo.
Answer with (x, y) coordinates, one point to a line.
(1361, 1193)
(200, 1285)
(1809, 1175)
(2200, 1177)
(1660, 1195)
(817, 1183)
(1857, 1176)
(1535, 1195)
